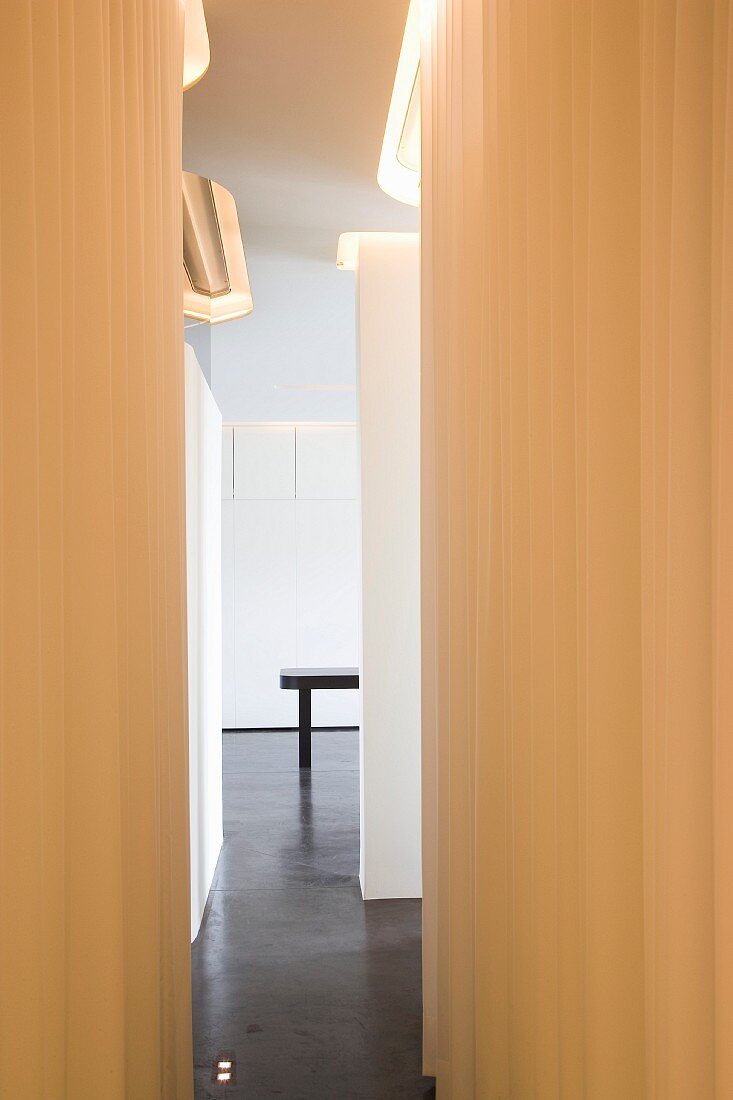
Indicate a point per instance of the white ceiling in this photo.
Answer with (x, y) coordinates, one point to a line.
(290, 118)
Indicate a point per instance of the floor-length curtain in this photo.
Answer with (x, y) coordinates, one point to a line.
(94, 906)
(578, 548)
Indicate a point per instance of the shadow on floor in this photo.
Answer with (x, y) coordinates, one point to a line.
(315, 992)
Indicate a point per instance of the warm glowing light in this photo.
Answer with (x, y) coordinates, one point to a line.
(399, 165)
(216, 284)
(408, 153)
(224, 1069)
(347, 253)
(196, 53)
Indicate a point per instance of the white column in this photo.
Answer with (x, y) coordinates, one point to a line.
(388, 420)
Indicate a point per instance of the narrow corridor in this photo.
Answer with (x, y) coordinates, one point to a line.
(316, 994)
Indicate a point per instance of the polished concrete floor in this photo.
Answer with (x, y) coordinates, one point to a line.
(316, 993)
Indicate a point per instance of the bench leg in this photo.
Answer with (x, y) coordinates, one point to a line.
(304, 727)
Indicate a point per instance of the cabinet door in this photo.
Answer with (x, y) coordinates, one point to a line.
(264, 463)
(326, 463)
(328, 600)
(264, 600)
(227, 614)
(227, 463)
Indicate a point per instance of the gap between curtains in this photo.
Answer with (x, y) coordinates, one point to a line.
(94, 906)
(578, 548)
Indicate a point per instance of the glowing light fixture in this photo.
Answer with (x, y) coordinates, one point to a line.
(349, 246)
(224, 1070)
(399, 165)
(196, 52)
(216, 282)
(347, 253)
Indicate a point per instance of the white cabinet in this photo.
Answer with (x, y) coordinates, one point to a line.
(290, 571)
(227, 463)
(326, 463)
(227, 613)
(264, 462)
(327, 613)
(264, 611)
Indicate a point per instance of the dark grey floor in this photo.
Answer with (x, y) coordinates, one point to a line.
(317, 993)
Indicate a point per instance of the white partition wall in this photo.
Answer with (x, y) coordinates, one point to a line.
(227, 463)
(290, 569)
(203, 558)
(388, 420)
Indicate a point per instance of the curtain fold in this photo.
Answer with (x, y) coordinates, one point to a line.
(578, 548)
(94, 906)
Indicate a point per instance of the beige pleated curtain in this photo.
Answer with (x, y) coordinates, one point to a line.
(578, 548)
(94, 906)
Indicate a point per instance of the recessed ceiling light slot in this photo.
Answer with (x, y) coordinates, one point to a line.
(215, 277)
(203, 251)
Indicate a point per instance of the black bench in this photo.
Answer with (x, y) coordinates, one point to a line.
(305, 680)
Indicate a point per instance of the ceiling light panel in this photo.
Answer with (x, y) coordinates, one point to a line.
(399, 165)
(196, 52)
(408, 152)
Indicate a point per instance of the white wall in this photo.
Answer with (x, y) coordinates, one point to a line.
(203, 551)
(388, 424)
(290, 569)
(300, 337)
